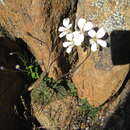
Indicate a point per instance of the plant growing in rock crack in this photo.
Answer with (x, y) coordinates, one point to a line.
(77, 37)
(51, 90)
(86, 109)
(27, 65)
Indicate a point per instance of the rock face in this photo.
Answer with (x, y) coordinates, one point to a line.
(56, 115)
(97, 84)
(37, 21)
(97, 79)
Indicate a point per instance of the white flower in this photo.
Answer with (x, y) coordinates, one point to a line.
(65, 29)
(74, 39)
(96, 38)
(84, 26)
(69, 44)
(78, 38)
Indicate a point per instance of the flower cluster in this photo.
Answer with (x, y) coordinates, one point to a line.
(77, 37)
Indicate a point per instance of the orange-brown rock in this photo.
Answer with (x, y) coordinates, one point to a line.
(97, 79)
(56, 115)
(36, 22)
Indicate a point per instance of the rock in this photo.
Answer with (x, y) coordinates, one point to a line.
(118, 117)
(36, 22)
(56, 115)
(97, 79)
(53, 109)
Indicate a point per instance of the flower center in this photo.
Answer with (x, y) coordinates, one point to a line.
(95, 39)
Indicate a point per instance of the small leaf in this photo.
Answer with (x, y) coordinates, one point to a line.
(33, 75)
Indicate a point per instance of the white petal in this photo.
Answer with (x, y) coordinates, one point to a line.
(81, 23)
(61, 29)
(69, 36)
(93, 45)
(88, 26)
(78, 36)
(66, 44)
(66, 22)
(77, 43)
(92, 33)
(102, 43)
(63, 34)
(101, 33)
(69, 26)
(69, 49)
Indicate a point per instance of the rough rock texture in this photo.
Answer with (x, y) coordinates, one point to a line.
(97, 79)
(56, 115)
(36, 22)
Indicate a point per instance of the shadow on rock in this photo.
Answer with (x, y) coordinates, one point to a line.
(119, 120)
(12, 85)
(120, 53)
(120, 47)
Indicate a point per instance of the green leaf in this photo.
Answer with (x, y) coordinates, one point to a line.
(33, 75)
